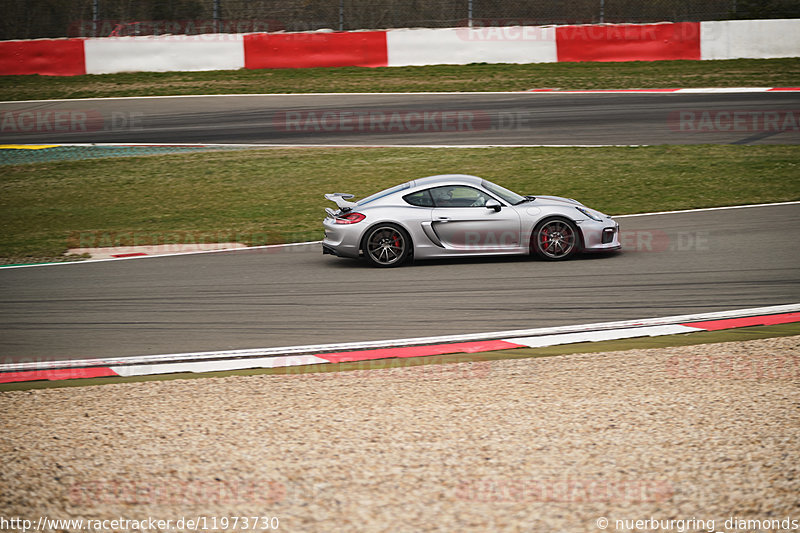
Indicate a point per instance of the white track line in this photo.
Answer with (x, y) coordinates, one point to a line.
(288, 145)
(413, 341)
(250, 95)
(197, 252)
(712, 90)
(540, 341)
(219, 366)
(726, 208)
(700, 90)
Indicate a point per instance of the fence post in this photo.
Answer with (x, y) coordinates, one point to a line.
(215, 15)
(341, 15)
(95, 16)
(469, 13)
(602, 11)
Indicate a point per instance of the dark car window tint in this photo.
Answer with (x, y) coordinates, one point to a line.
(458, 196)
(419, 199)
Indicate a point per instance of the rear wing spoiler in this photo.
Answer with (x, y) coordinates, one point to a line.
(341, 200)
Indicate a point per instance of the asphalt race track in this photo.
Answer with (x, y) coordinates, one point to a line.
(674, 264)
(452, 119)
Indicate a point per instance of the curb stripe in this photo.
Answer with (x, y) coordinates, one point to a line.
(594, 336)
(601, 91)
(217, 366)
(56, 375)
(687, 90)
(716, 325)
(420, 351)
(393, 343)
(238, 359)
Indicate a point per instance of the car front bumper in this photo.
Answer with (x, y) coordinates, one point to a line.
(600, 236)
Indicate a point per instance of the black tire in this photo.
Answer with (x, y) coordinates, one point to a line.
(556, 239)
(386, 245)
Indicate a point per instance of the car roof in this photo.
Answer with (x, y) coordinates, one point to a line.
(388, 195)
(446, 178)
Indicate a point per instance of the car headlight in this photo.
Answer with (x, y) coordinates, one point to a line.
(590, 214)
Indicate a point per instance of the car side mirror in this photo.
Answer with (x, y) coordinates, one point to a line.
(493, 204)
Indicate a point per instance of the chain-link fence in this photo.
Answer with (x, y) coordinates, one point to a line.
(30, 19)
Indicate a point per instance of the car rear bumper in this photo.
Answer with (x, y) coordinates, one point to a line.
(341, 240)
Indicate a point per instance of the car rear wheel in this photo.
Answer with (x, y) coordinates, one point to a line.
(387, 245)
(556, 240)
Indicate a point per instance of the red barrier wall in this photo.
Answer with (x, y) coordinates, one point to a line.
(305, 50)
(51, 57)
(628, 42)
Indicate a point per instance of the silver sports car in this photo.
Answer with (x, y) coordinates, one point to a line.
(461, 215)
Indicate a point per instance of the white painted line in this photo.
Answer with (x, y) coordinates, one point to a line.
(218, 366)
(712, 90)
(594, 336)
(250, 95)
(90, 261)
(288, 145)
(414, 341)
(726, 208)
(572, 92)
(114, 252)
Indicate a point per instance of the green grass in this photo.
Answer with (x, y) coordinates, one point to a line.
(275, 195)
(428, 367)
(436, 78)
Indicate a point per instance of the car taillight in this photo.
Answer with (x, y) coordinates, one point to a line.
(350, 218)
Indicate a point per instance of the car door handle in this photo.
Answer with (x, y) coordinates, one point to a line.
(442, 219)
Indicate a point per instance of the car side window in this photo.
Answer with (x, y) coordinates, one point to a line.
(458, 196)
(419, 199)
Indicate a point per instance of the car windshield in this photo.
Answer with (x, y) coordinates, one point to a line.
(381, 194)
(509, 196)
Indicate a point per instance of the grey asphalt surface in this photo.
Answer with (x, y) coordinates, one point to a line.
(507, 118)
(673, 264)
